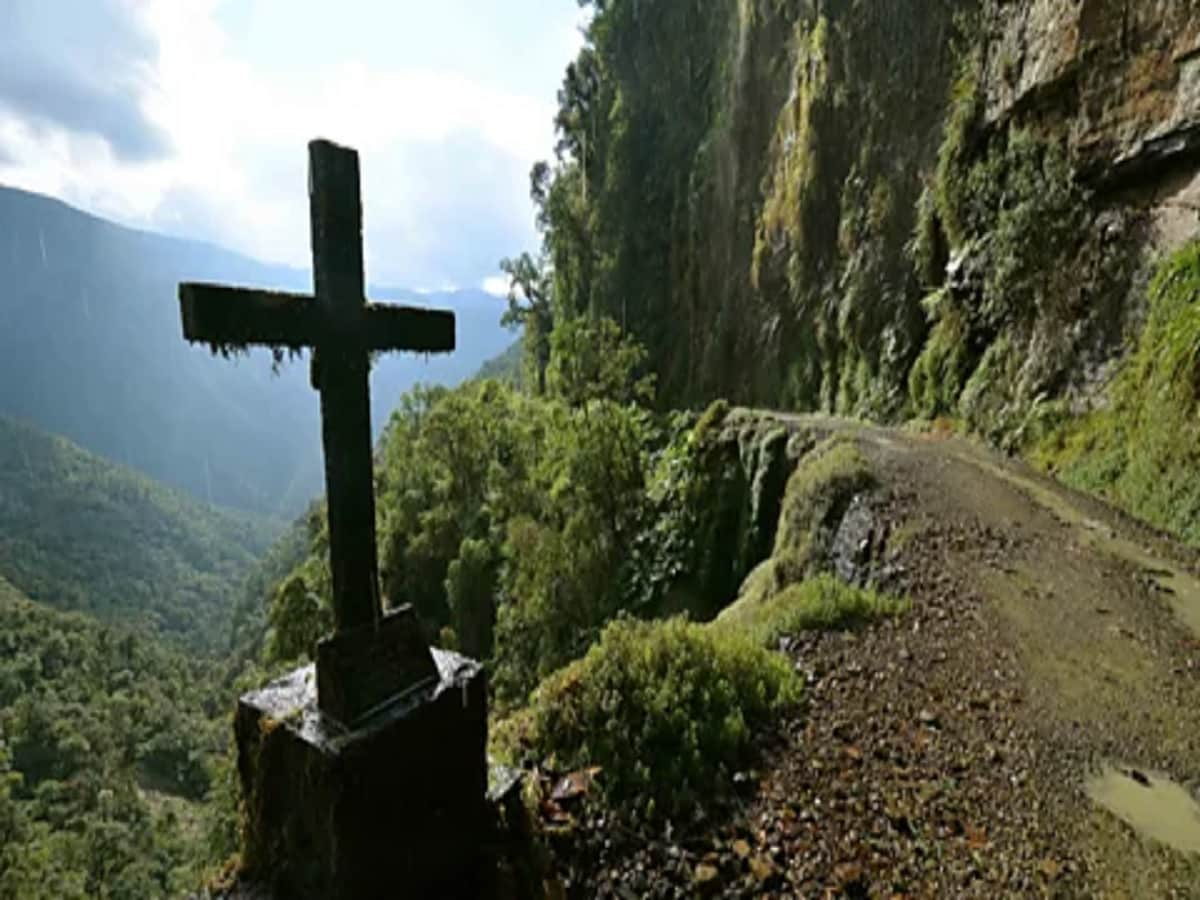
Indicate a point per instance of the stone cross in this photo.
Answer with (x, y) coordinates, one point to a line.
(371, 658)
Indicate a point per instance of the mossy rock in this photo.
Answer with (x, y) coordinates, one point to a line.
(818, 493)
(741, 461)
(1140, 451)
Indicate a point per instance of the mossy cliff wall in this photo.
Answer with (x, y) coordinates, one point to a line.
(904, 208)
(1068, 168)
(790, 277)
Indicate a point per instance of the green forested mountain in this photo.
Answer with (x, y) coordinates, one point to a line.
(78, 533)
(106, 743)
(506, 367)
(91, 348)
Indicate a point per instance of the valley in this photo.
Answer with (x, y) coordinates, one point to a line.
(81, 534)
(90, 349)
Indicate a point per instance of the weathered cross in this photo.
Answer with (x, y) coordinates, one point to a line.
(369, 659)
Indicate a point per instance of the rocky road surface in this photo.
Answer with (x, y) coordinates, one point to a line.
(1030, 729)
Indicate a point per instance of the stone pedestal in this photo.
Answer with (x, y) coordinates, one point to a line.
(395, 807)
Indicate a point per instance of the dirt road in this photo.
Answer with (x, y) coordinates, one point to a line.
(1030, 728)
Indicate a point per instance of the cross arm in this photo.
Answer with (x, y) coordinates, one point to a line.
(387, 327)
(226, 316)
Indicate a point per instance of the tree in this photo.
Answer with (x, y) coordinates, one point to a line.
(529, 307)
(470, 591)
(592, 360)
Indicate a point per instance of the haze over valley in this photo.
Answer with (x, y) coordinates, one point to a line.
(91, 348)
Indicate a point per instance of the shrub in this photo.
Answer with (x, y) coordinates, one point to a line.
(665, 709)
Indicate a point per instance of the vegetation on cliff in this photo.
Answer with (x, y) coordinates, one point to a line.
(733, 170)
(1139, 449)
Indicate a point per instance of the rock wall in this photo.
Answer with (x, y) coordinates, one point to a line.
(1120, 82)
(829, 124)
(1108, 94)
(895, 209)
(882, 208)
(962, 203)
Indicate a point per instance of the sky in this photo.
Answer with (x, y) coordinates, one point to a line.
(192, 118)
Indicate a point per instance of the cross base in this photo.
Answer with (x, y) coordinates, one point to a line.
(362, 670)
(395, 808)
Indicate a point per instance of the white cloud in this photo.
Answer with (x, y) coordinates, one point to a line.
(444, 156)
(496, 285)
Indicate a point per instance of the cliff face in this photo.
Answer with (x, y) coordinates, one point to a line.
(1119, 80)
(852, 144)
(1087, 116)
(885, 209)
(1016, 166)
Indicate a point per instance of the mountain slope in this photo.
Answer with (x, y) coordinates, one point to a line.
(107, 742)
(81, 534)
(91, 348)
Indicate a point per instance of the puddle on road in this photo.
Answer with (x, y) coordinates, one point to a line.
(1182, 589)
(1152, 805)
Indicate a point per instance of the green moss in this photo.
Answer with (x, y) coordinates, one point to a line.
(1035, 214)
(1007, 202)
(711, 419)
(1141, 452)
(819, 490)
(927, 250)
(938, 376)
(952, 195)
(667, 710)
(817, 494)
(1014, 210)
(824, 602)
(987, 400)
(791, 197)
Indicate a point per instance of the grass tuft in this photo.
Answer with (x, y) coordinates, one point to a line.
(823, 603)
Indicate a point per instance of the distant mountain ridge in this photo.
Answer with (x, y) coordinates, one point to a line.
(91, 348)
